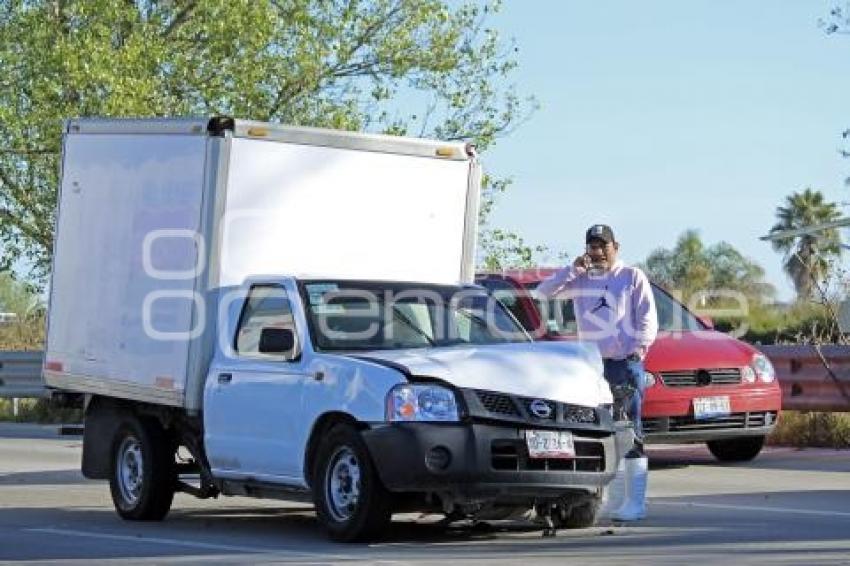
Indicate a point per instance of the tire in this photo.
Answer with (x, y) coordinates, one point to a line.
(736, 449)
(579, 516)
(143, 476)
(351, 502)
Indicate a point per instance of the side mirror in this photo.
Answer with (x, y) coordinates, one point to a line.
(276, 340)
(707, 321)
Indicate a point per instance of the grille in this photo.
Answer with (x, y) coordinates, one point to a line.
(577, 414)
(506, 405)
(702, 377)
(512, 455)
(651, 425)
(689, 424)
(498, 404)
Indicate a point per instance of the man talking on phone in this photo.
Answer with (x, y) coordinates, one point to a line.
(615, 309)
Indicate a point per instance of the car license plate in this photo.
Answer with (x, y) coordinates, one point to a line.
(711, 407)
(550, 444)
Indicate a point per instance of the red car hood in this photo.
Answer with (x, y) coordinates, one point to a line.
(702, 349)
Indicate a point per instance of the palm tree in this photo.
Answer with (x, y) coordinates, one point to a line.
(807, 257)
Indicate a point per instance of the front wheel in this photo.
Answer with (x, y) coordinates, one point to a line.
(736, 449)
(143, 478)
(576, 516)
(350, 500)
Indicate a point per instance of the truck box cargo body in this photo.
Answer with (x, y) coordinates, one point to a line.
(294, 308)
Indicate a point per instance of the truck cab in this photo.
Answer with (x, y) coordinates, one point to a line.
(372, 394)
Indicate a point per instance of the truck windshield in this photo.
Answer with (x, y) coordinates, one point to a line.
(357, 315)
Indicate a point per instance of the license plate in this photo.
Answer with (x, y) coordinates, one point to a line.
(550, 444)
(711, 407)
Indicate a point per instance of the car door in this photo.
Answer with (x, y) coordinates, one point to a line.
(253, 397)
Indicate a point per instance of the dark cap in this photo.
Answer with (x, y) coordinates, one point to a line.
(599, 232)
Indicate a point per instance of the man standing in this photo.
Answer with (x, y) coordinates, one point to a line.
(615, 309)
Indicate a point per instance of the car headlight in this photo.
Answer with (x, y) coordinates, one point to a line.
(748, 374)
(763, 368)
(649, 379)
(407, 402)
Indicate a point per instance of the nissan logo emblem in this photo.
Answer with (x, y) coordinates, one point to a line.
(541, 409)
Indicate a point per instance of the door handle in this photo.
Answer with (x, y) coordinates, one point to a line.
(224, 378)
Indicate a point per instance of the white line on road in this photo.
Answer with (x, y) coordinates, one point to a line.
(189, 543)
(755, 508)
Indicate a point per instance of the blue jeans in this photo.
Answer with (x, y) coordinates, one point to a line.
(622, 372)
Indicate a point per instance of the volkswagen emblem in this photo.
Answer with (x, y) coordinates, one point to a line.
(541, 409)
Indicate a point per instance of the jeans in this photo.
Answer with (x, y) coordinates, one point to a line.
(622, 372)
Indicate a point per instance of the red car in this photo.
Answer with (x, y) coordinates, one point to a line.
(702, 385)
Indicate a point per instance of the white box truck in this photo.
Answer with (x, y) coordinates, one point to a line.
(290, 310)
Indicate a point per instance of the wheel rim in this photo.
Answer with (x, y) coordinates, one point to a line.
(342, 484)
(129, 470)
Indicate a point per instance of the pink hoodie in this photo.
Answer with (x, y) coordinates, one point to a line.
(616, 310)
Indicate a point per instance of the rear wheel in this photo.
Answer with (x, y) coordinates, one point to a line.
(143, 478)
(350, 500)
(736, 449)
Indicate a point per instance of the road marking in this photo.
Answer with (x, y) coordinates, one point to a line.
(755, 508)
(188, 543)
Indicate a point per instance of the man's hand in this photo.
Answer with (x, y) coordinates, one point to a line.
(581, 262)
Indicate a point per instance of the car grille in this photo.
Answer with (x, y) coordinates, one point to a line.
(690, 424)
(512, 455)
(500, 404)
(701, 377)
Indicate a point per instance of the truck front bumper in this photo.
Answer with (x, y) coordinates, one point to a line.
(476, 461)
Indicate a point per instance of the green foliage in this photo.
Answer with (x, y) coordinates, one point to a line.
(807, 258)
(505, 250)
(805, 429)
(801, 323)
(26, 331)
(354, 64)
(690, 267)
(39, 411)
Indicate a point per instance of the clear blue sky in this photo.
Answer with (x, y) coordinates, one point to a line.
(662, 116)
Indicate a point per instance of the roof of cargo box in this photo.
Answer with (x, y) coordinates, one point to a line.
(300, 135)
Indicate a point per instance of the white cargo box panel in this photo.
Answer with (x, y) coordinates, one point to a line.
(156, 215)
(341, 212)
(112, 286)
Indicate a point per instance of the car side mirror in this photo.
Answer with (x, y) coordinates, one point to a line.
(707, 321)
(276, 340)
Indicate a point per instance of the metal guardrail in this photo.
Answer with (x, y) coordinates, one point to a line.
(20, 374)
(813, 378)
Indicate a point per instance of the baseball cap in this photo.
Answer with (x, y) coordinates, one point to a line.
(599, 232)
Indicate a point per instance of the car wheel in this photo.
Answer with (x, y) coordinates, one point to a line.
(736, 449)
(143, 478)
(350, 500)
(576, 516)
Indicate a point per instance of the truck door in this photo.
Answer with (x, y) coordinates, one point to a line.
(252, 404)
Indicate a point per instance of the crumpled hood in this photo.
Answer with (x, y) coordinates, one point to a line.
(569, 372)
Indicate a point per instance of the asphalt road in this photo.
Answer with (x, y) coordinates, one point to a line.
(787, 507)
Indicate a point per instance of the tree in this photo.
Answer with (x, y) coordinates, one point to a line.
(690, 267)
(807, 258)
(425, 67)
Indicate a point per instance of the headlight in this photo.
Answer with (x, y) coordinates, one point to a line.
(432, 403)
(763, 368)
(748, 374)
(649, 379)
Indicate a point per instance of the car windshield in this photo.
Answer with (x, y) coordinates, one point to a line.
(559, 317)
(358, 315)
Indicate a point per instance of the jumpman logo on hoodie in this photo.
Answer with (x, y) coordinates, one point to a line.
(602, 302)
